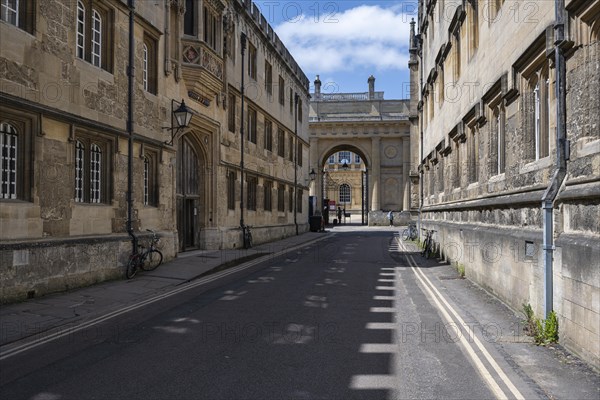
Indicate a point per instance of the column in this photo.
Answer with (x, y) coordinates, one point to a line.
(375, 172)
(405, 172)
(316, 185)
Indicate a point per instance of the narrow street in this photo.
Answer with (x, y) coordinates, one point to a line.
(357, 315)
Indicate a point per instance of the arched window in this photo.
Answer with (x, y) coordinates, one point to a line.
(345, 194)
(80, 30)
(79, 171)
(145, 66)
(95, 174)
(96, 39)
(8, 146)
(146, 180)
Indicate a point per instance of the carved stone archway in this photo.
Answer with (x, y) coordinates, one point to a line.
(378, 131)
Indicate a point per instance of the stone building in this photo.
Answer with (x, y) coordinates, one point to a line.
(489, 119)
(64, 112)
(373, 135)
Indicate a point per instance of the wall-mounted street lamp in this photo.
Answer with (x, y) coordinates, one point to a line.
(180, 119)
(312, 174)
(345, 165)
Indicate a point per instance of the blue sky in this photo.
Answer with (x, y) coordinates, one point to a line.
(346, 41)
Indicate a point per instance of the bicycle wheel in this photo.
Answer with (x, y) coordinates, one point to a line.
(151, 260)
(425, 248)
(249, 240)
(405, 234)
(132, 266)
(413, 234)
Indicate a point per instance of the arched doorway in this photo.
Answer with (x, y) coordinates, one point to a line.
(343, 180)
(191, 183)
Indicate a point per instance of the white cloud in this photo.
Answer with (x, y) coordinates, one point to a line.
(367, 36)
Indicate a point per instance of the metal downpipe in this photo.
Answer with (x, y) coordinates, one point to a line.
(130, 99)
(561, 157)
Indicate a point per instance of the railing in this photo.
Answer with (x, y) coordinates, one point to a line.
(347, 96)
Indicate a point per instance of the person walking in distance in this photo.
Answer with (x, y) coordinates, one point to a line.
(339, 214)
(391, 218)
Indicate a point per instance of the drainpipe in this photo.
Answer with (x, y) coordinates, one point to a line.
(295, 150)
(131, 79)
(561, 156)
(419, 43)
(243, 49)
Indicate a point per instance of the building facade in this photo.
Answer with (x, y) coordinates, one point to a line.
(373, 135)
(492, 157)
(64, 112)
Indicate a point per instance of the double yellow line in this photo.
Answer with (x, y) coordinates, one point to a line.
(446, 309)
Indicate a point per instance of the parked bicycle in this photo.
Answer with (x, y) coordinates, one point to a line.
(247, 236)
(146, 259)
(428, 250)
(410, 232)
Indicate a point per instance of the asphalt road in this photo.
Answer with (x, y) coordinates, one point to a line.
(344, 318)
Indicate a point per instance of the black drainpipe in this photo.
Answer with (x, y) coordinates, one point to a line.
(131, 79)
(561, 155)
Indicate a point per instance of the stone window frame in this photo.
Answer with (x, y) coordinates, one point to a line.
(281, 91)
(440, 85)
(211, 28)
(268, 195)
(150, 160)
(299, 105)
(9, 156)
(291, 199)
(26, 126)
(291, 147)
(252, 61)
(473, 137)
(23, 12)
(542, 105)
(189, 18)
(231, 104)
(299, 149)
(345, 194)
(280, 142)
(268, 78)
(252, 124)
(104, 57)
(456, 56)
(268, 134)
(472, 10)
(281, 197)
(89, 140)
(299, 196)
(495, 109)
(231, 185)
(251, 192)
(150, 64)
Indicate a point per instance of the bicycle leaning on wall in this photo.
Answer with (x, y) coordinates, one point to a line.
(410, 232)
(247, 236)
(428, 243)
(146, 258)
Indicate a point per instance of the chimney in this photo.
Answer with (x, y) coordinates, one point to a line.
(371, 87)
(317, 88)
(413, 43)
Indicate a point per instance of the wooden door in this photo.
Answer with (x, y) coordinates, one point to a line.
(189, 192)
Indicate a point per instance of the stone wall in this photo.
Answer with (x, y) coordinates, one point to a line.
(32, 269)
